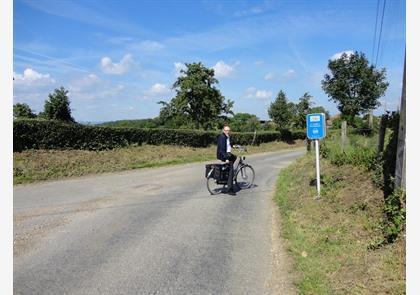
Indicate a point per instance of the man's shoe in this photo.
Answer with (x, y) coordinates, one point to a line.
(232, 193)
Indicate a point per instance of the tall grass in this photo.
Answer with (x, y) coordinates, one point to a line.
(359, 151)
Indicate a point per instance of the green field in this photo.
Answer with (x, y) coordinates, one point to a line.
(39, 165)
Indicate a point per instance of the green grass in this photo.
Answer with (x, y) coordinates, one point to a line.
(40, 165)
(329, 238)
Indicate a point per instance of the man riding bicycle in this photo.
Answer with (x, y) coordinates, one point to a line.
(224, 153)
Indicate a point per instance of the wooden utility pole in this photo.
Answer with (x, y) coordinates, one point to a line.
(400, 162)
(343, 134)
(382, 130)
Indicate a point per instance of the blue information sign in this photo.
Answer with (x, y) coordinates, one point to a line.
(315, 126)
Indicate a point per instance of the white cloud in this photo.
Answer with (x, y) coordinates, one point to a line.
(270, 76)
(159, 89)
(290, 73)
(252, 92)
(31, 77)
(223, 70)
(112, 91)
(119, 68)
(88, 80)
(339, 54)
(263, 94)
(259, 62)
(84, 84)
(178, 67)
(91, 87)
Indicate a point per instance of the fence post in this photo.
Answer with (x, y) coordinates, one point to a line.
(382, 130)
(370, 119)
(255, 136)
(308, 145)
(343, 134)
(400, 160)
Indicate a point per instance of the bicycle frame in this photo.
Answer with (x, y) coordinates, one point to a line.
(244, 180)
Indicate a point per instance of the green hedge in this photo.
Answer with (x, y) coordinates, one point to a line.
(37, 134)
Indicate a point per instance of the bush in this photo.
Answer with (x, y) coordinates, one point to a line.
(354, 154)
(38, 134)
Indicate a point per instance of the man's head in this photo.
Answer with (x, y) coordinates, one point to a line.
(226, 130)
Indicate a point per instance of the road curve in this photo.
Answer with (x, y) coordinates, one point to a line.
(149, 231)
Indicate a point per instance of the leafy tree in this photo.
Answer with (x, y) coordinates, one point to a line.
(302, 108)
(57, 107)
(320, 109)
(244, 122)
(269, 126)
(197, 99)
(281, 111)
(354, 84)
(171, 117)
(22, 110)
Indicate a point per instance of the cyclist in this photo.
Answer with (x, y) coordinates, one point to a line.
(224, 153)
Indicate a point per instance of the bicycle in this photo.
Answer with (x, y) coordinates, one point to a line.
(243, 178)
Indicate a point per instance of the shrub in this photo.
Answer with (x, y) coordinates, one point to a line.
(355, 154)
(38, 134)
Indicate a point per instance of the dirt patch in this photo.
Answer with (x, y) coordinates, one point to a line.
(282, 279)
(27, 240)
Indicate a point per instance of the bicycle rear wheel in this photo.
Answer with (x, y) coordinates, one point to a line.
(213, 187)
(245, 177)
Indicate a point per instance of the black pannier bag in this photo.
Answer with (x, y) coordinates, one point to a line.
(220, 171)
(209, 168)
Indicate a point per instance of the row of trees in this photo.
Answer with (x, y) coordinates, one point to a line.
(56, 107)
(199, 104)
(287, 114)
(354, 84)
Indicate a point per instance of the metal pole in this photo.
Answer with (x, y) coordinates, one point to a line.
(318, 176)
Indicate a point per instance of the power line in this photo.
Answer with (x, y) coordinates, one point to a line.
(380, 33)
(376, 29)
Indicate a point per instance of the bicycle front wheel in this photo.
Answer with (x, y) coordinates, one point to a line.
(245, 177)
(213, 187)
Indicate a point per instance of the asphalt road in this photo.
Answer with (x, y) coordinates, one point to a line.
(149, 231)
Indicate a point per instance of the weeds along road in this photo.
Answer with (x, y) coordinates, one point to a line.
(150, 231)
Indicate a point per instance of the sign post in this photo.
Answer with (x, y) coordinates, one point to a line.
(316, 130)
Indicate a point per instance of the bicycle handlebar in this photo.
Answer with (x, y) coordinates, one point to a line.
(240, 148)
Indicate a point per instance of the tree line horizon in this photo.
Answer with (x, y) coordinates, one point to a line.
(353, 84)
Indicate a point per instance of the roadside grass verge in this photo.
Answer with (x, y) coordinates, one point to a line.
(330, 239)
(40, 165)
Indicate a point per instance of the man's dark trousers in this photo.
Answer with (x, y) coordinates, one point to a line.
(232, 159)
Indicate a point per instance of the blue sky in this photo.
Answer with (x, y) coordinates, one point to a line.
(119, 58)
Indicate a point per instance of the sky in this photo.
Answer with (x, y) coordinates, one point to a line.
(117, 59)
